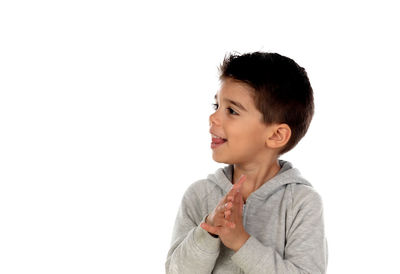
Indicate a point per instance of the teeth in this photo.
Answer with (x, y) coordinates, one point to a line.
(215, 136)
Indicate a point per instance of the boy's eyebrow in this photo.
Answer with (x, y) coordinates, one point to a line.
(239, 105)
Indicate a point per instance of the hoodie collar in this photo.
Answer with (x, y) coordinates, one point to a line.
(286, 175)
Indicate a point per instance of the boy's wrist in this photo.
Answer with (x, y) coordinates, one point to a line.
(241, 240)
(213, 235)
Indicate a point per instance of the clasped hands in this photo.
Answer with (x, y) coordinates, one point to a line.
(226, 219)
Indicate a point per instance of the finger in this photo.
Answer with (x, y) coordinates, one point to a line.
(221, 203)
(240, 199)
(231, 194)
(228, 205)
(236, 200)
(236, 186)
(220, 220)
(241, 180)
(224, 207)
(227, 214)
(220, 208)
(222, 217)
(224, 220)
(237, 207)
(241, 202)
(229, 224)
(209, 228)
(224, 199)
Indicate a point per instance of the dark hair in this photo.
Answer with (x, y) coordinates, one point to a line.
(282, 91)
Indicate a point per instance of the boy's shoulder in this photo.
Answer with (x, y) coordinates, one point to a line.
(301, 190)
(305, 196)
(200, 188)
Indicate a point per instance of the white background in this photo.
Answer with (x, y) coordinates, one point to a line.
(104, 111)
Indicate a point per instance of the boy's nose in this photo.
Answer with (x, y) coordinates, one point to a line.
(213, 119)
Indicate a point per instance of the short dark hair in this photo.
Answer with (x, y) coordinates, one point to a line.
(282, 90)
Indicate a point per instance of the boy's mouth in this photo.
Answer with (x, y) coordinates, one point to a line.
(215, 137)
(217, 141)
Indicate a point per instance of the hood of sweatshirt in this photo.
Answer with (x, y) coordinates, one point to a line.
(286, 175)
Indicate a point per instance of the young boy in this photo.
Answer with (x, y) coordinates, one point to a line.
(257, 214)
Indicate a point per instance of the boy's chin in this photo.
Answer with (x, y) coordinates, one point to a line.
(222, 161)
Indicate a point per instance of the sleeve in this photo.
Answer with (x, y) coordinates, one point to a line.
(193, 250)
(305, 249)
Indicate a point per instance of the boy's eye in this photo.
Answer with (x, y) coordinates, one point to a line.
(231, 111)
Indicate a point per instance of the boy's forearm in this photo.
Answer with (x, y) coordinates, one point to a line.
(305, 249)
(254, 257)
(198, 250)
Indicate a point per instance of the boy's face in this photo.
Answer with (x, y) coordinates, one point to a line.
(237, 120)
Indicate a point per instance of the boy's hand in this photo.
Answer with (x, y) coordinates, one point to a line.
(220, 213)
(226, 219)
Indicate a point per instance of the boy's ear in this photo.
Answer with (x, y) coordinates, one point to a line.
(279, 135)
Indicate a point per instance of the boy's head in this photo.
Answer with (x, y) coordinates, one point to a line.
(280, 88)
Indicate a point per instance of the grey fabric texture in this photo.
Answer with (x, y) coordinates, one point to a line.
(284, 218)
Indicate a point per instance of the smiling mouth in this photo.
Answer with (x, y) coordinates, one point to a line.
(216, 142)
(215, 137)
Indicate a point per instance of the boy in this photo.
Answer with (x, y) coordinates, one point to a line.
(257, 214)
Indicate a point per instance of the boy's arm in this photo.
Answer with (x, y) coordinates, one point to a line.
(305, 249)
(193, 250)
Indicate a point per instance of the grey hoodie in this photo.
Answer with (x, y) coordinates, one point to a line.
(284, 218)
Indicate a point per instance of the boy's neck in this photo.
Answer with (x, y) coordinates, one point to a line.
(256, 175)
